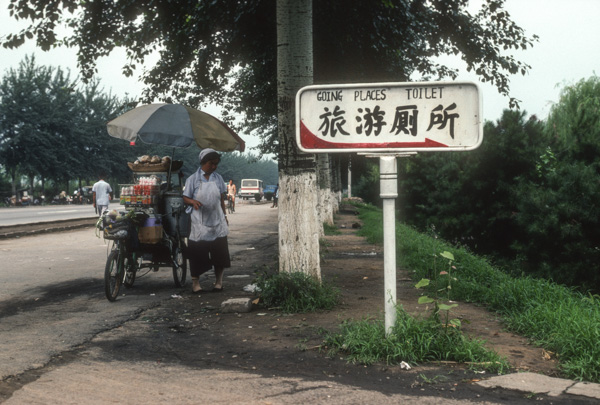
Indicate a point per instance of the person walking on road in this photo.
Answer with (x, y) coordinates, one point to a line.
(101, 195)
(231, 191)
(204, 193)
(276, 197)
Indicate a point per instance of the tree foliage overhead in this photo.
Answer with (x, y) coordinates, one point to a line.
(224, 51)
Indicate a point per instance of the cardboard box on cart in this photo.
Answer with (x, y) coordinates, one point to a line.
(151, 231)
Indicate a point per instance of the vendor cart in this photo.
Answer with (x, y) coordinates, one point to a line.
(152, 231)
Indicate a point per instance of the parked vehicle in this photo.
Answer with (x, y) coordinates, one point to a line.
(83, 195)
(252, 188)
(270, 191)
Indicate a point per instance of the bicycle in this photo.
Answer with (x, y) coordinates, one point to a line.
(128, 255)
(230, 208)
(121, 268)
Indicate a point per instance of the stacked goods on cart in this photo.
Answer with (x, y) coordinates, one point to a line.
(145, 192)
(154, 163)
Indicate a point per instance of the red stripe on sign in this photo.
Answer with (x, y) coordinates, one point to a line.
(308, 140)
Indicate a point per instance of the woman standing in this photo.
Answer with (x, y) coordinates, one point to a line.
(207, 247)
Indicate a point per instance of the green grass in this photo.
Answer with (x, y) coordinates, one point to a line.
(296, 292)
(411, 340)
(330, 229)
(553, 316)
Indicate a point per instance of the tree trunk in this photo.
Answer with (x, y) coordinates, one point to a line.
(299, 225)
(13, 181)
(325, 193)
(31, 185)
(336, 182)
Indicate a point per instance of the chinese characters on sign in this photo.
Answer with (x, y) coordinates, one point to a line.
(402, 116)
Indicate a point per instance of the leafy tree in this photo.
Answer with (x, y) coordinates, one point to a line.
(367, 184)
(35, 120)
(93, 145)
(51, 130)
(5, 187)
(558, 212)
(469, 197)
(558, 218)
(237, 167)
(528, 196)
(574, 122)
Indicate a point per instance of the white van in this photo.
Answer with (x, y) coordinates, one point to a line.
(252, 188)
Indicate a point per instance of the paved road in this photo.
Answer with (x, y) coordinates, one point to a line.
(46, 213)
(51, 289)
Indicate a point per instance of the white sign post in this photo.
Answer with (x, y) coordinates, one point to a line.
(388, 191)
(386, 120)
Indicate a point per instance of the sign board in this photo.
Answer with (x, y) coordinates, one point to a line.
(389, 117)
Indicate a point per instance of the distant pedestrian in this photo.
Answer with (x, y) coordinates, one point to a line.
(231, 192)
(276, 197)
(101, 195)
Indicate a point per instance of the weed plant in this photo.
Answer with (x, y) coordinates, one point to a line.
(553, 316)
(330, 229)
(412, 341)
(296, 292)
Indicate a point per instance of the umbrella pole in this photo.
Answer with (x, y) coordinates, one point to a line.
(170, 168)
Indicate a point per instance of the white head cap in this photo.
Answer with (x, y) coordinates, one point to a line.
(208, 154)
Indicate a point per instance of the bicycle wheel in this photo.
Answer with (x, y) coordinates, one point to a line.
(131, 267)
(179, 265)
(113, 274)
(229, 205)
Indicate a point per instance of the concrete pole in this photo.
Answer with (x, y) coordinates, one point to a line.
(388, 177)
(350, 176)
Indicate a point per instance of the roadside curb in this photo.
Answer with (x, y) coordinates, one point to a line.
(18, 231)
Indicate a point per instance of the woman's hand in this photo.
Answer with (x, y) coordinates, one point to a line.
(194, 203)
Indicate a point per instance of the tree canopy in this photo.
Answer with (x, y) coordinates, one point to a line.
(224, 52)
(49, 128)
(54, 129)
(558, 212)
(527, 198)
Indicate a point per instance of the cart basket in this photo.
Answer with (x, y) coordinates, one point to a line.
(117, 230)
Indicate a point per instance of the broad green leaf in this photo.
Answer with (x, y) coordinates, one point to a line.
(446, 307)
(425, 300)
(447, 255)
(456, 322)
(423, 283)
